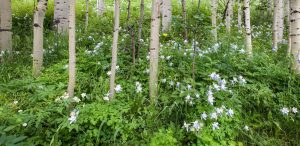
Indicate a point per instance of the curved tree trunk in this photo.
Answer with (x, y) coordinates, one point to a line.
(72, 50)
(38, 27)
(154, 50)
(214, 8)
(61, 15)
(5, 26)
(166, 15)
(275, 27)
(140, 28)
(115, 48)
(295, 33)
(248, 27)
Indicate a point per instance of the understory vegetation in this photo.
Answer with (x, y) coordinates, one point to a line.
(232, 100)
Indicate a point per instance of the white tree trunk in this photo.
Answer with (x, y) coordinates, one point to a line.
(86, 15)
(61, 15)
(228, 16)
(183, 3)
(248, 27)
(166, 15)
(72, 50)
(289, 26)
(154, 50)
(140, 27)
(295, 33)
(38, 27)
(5, 26)
(280, 19)
(275, 27)
(100, 7)
(214, 8)
(115, 48)
(239, 15)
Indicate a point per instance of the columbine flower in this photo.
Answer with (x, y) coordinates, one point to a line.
(185, 41)
(170, 64)
(242, 80)
(189, 87)
(230, 112)
(117, 67)
(215, 126)
(24, 124)
(210, 99)
(164, 80)
(196, 126)
(178, 84)
(214, 76)
(186, 126)
(76, 99)
(197, 95)
(16, 102)
(138, 87)
(246, 128)
(213, 116)
(216, 87)
(294, 110)
(73, 116)
(188, 98)
(285, 111)
(19, 111)
(83, 95)
(162, 57)
(242, 51)
(106, 97)
(171, 83)
(203, 116)
(118, 88)
(108, 73)
(168, 57)
(219, 111)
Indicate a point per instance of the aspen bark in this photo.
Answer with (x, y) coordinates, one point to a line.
(100, 7)
(154, 50)
(114, 48)
(72, 49)
(295, 34)
(239, 14)
(248, 27)
(275, 27)
(184, 19)
(228, 16)
(5, 26)
(166, 15)
(38, 27)
(140, 28)
(280, 19)
(214, 7)
(86, 15)
(61, 15)
(289, 26)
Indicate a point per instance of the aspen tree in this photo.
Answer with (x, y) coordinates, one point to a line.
(239, 14)
(5, 26)
(38, 27)
(289, 27)
(166, 15)
(72, 49)
(184, 19)
(140, 28)
(280, 19)
(214, 7)
(86, 15)
(100, 7)
(295, 33)
(228, 16)
(248, 27)
(275, 27)
(61, 15)
(154, 50)
(114, 48)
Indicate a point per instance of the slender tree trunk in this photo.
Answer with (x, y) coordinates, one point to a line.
(86, 16)
(289, 26)
(140, 28)
(214, 7)
(166, 15)
(115, 48)
(100, 7)
(295, 33)
(228, 16)
(248, 27)
(239, 15)
(5, 26)
(280, 19)
(275, 27)
(61, 14)
(128, 10)
(38, 27)
(72, 50)
(184, 19)
(154, 50)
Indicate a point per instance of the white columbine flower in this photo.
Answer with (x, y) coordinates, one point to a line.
(178, 84)
(294, 110)
(186, 126)
(164, 80)
(108, 73)
(83, 95)
(197, 95)
(197, 126)
(214, 76)
(24, 124)
(213, 116)
(215, 125)
(246, 128)
(188, 98)
(118, 88)
(106, 97)
(73, 116)
(171, 83)
(189, 87)
(230, 112)
(203, 116)
(138, 87)
(16, 102)
(285, 111)
(76, 99)
(219, 111)
(211, 99)
(19, 111)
